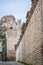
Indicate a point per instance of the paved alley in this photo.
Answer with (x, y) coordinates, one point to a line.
(10, 63)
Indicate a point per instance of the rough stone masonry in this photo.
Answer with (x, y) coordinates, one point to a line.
(30, 48)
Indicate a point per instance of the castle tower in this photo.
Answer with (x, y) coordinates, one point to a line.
(12, 34)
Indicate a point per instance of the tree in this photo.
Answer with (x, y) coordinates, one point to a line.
(4, 44)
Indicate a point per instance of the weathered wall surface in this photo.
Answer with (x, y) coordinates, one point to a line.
(33, 38)
(20, 51)
(42, 31)
(13, 32)
(33, 48)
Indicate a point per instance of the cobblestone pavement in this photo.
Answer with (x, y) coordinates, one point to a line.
(10, 63)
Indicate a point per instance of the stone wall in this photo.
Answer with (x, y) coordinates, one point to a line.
(33, 38)
(20, 51)
(13, 32)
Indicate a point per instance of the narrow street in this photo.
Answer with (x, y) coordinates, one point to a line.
(10, 63)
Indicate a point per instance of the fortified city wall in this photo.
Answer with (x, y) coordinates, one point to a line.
(30, 45)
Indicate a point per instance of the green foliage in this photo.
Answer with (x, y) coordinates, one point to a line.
(24, 63)
(4, 46)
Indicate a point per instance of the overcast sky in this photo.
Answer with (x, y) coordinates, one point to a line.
(17, 8)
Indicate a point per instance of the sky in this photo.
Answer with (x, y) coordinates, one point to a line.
(17, 8)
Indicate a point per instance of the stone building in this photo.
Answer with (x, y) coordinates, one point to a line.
(30, 45)
(13, 32)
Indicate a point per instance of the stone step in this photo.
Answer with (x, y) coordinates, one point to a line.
(10, 63)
